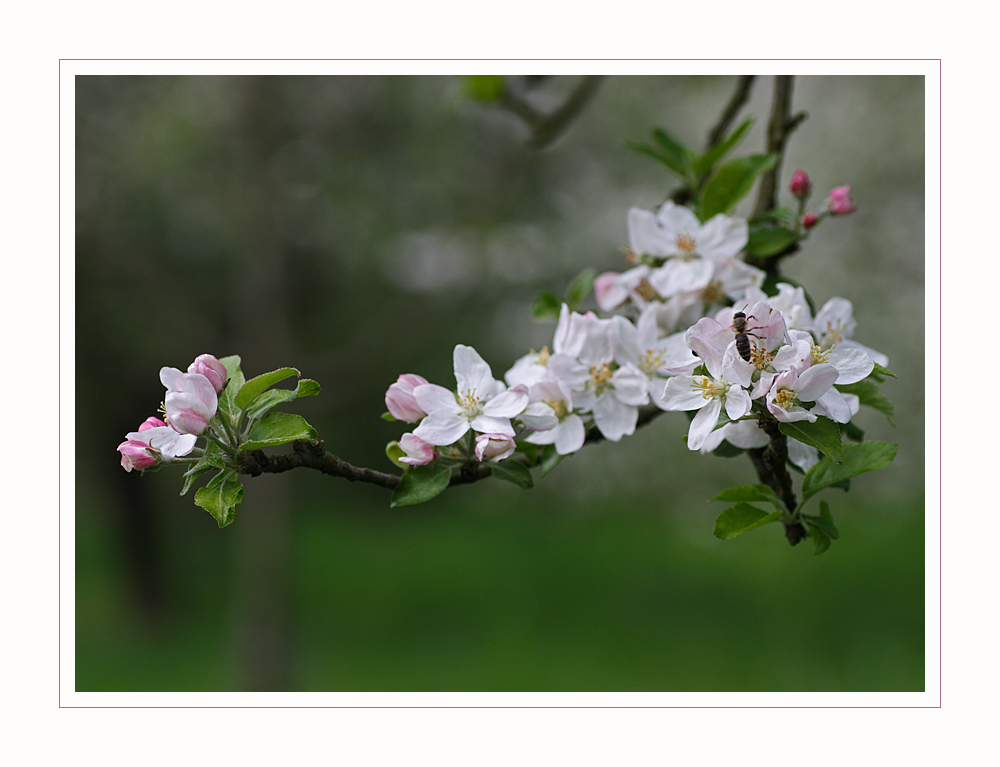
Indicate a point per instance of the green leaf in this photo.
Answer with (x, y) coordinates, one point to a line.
(580, 287)
(530, 452)
(879, 370)
(486, 88)
(732, 182)
(769, 240)
(219, 498)
(278, 429)
(727, 450)
(680, 154)
(512, 471)
(227, 399)
(852, 432)
(387, 416)
(546, 306)
(857, 459)
(704, 164)
(550, 459)
(821, 541)
(870, 395)
(751, 493)
(209, 461)
(269, 400)
(740, 518)
(394, 452)
(824, 435)
(420, 484)
(256, 386)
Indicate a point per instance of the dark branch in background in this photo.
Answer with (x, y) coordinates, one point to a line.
(780, 126)
(682, 194)
(546, 128)
(739, 98)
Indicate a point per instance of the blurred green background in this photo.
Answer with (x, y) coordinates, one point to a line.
(358, 228)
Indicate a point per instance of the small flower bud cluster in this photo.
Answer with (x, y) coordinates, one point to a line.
(838, 201)
(190, 405)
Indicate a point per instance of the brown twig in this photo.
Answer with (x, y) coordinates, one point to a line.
(736, 102)
(546, 128)
(779, 128)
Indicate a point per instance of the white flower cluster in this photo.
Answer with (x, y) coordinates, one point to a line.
(601, 371)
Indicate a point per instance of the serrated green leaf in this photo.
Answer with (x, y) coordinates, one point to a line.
(512, 471)
(750, 493)
(256, 386)
(823, 434)
(210, 460)
(580, 287)
(278, 429)
(770, 240)
(871, 396)
(546, 306)
(856, 459)
(732, 182)
(269, 400)
(219, 498)
(420, 484)
(740, 518)
(704, 164)
(227, 399)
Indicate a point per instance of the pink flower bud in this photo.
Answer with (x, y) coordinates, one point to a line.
(400, 400)
(839, 202)
(496, 447)
(137, 455)
(151, 423)
(191, 400)
(417, 451)
(153, 444)
(212, 369)
(809, 220)
(800, 186)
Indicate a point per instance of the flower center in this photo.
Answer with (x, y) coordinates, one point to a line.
(469, 402)
(542, 357)
(713, 293)
(760, 357)
(559, 406)
(646, 291)
(833, 335)
(600, 375)
(652, 362)
(785, 398)
(709, 389)
(685, 246)
(818, 355)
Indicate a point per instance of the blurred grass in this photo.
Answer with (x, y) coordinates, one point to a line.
(532, 597)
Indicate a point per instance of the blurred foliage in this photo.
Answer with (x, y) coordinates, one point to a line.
(357, 228)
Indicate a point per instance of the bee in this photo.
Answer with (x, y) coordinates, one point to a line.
(739, 327)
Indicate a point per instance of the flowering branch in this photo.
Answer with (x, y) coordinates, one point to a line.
(699, 323)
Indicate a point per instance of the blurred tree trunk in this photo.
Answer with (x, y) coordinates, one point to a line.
(259, 303)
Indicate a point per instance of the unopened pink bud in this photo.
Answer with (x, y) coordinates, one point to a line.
(800, 186)
(839, 202)
(496, 447)
(212, 369)
(809, 220)
(151, 423)
(191, 400)
(400, 400)
(417, 451)
(137, 455)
